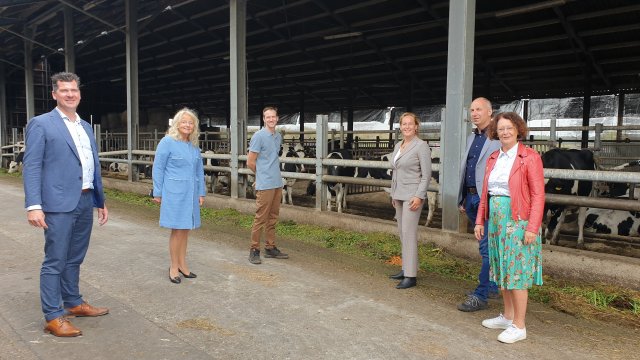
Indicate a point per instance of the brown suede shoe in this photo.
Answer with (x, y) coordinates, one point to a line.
(85, 309)
(62, 327)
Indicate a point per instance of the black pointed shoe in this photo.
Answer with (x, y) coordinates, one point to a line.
(190, 275)
(406, 283)
(398, 276)
(175, 280)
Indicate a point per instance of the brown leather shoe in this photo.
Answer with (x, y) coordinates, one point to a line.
(62, 327)
(85, 309)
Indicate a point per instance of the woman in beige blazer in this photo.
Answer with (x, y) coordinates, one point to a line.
(411, 163)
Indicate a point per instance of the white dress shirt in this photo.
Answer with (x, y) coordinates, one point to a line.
(83, 146)
(499, 177)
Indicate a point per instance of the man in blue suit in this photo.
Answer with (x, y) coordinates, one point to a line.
(479, 147)
(62, 185)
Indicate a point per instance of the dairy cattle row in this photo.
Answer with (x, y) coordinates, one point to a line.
(568, 159)
(595, 220)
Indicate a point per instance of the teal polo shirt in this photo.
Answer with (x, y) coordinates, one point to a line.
(267, 146)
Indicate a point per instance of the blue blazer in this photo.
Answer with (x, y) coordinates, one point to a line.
(52, 172)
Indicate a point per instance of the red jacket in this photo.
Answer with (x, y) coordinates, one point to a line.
(526, 186)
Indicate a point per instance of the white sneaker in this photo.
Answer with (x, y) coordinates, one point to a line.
(512, 334)
(499, 322)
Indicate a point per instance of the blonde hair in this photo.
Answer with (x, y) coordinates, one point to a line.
(413, 116)
(173, 129)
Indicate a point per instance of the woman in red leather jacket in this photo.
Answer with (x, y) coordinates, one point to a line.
(513, 202)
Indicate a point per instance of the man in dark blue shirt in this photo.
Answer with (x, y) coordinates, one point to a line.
(479, 147)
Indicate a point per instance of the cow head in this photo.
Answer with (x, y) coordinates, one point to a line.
(14, 167)
(297, 150)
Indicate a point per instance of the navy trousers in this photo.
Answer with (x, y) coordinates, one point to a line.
(472, 201)
(66, 244)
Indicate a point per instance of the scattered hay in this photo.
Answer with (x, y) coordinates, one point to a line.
(204, 325)
(253, 275)
(394, 260)
(577, 305)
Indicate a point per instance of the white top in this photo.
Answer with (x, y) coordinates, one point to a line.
(499, 177)
(83, 146)
(395, 159)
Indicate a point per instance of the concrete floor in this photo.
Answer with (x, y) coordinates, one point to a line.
(316, 305)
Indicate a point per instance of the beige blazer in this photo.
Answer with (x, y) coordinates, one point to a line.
(412, 170)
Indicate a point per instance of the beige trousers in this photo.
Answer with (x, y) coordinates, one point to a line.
(268, 209)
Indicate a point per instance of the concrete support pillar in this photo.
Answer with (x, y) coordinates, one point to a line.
(301, 121)
(620, 116)
(133, 118)
(69, 41)
(3, 106)
(456, 126)
(28, 75)
(238, 91)
(321, 153)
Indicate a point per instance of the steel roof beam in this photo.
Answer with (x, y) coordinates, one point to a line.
(114, 27)
(583, 48)
(280, 76)
(302, 50)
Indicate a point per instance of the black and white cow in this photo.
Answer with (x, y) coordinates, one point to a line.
(15, 166)
(213, 180)
(617, 222)
(294, 151)
(618, 190)
(120, 168)
(145, 171)
(623, 190)
(339, 190)
(432, 196)
(566, 159)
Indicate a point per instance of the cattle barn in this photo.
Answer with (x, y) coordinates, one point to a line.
(321, 60)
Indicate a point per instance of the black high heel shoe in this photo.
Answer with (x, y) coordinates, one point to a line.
(398, 276)
(175, 280)
(190, 275)
(406, 283)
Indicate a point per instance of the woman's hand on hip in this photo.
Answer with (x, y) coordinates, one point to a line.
(414, 203)
(479, 232)
(529, 237)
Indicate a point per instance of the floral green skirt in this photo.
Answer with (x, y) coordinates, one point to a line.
(514, 265)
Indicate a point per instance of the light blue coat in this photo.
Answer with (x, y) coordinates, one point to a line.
(178, 178)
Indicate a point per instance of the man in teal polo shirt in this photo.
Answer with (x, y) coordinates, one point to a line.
(263, 160)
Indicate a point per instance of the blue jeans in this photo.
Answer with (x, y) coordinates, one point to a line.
(485, 286)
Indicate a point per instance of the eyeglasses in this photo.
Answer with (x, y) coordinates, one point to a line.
(505, 129)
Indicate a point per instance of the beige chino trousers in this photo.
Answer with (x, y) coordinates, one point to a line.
(268, 209)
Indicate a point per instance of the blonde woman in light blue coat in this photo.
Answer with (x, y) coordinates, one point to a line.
(178, 186)
(411, 163)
